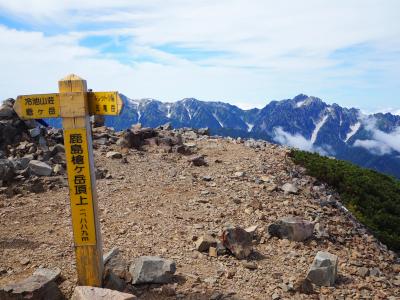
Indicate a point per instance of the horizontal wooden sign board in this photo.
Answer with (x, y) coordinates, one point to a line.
(41, 106)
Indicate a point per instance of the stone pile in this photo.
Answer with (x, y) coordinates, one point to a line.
(32, 156)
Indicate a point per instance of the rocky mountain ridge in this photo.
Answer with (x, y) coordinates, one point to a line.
(304, 122)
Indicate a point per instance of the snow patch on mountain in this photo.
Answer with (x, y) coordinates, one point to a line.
(318, 127)
(300, 104)
(249, 126)
(218, 120)
(188, 111)
(353, 130)
(169, 113)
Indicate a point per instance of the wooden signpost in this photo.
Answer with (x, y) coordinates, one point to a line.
(74, 104)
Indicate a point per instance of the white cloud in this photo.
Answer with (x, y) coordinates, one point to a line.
(266, 48)
(381, 142)
(298, 141)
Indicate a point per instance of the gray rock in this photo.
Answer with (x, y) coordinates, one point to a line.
(34, 132)
(109, 255)
(289, 188)
(238, 241)
(203, 131)
(292, 228)
(198, 160)
(363, 272)
(375, 272)
(50, 274)
(6, 110)
(40, 168)
(323, 270)
(94, 293)
(205, 242)
(35, 287)
(304, 286)
(240, 174)
(6, 170)
(22, 163)
(152, 269)
(113, 154)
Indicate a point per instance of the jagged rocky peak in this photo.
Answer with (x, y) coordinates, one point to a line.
(304, 101)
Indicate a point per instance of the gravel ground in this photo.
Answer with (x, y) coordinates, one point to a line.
(157, 204)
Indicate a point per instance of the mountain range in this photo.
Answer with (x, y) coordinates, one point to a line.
(304, 122)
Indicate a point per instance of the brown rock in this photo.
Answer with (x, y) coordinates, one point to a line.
(35, 287)
(94, 293)
(204, 243)
(238, 241)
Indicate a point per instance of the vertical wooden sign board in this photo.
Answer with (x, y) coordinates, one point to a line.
(81, 178)
(74, 105)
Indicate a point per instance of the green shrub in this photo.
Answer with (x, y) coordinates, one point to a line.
(374, 198)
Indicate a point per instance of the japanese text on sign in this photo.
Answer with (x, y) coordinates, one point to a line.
(76, 150)
(40, 106)
(104, 103)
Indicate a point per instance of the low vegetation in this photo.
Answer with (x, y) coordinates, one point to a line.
(374, 198)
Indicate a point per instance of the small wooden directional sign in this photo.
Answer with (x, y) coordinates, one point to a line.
(74, 104)
(42, 106)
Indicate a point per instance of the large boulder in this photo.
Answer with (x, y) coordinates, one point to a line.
(40, 168)
(238, 241)
(323, 270)
(152, 269)
(292, 228)
(35, 287)
(6, 170)
(94, 293)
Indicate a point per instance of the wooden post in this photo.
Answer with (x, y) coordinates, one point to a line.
(74, 110)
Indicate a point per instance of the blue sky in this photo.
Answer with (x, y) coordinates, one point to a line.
(243, 52)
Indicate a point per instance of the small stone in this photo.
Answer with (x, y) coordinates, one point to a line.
(375, 272)
(34, 132)
(210, 280)
(94, 293)
(275, 296)
(197, 161)
(216, 296)
(256, 204)
(239, 174)
(113, 155)
(287, 287)
(212, 252)
(24, 261)
(304, 286)
(363, 272)
(323, 270)
(58, 169)
(40, 168)
(7, 170)
(252, 229)
(322, 232)
(292, 228)
(152, 269)
(230, 274)
(289, 188)
(251, 265)
(207, 178)
(204, 243)
(271, 187)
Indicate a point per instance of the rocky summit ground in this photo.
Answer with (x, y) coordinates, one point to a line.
(154, 201)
